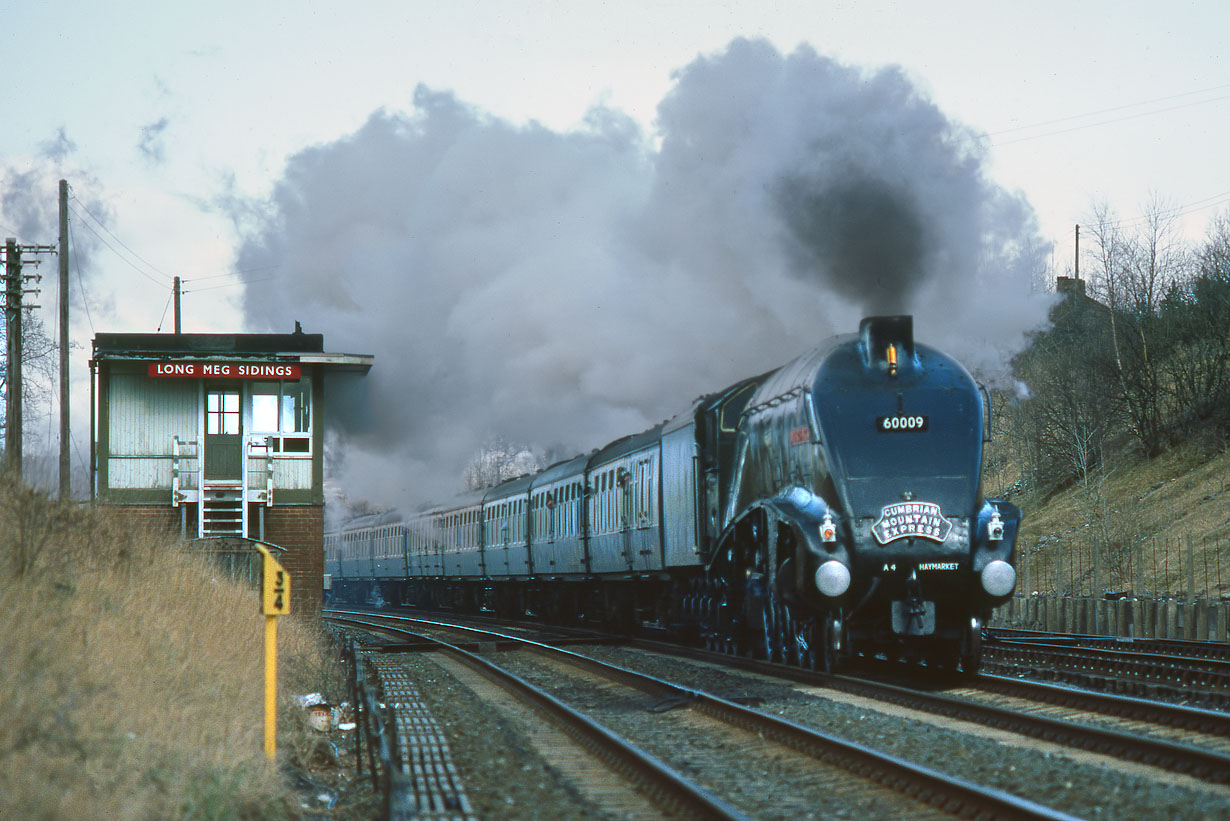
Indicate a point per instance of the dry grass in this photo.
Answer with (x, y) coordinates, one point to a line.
(132, 677)
(1150, 516)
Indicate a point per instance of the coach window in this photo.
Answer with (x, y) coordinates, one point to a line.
(601, 503)
(282, 408)
(609, 484)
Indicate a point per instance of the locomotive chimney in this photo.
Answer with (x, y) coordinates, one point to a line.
(887, 342)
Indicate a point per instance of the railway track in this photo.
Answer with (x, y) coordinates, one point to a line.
(1193, 673)
(1175, 647)
(667, 789)
(1189, 743)
(770, 767)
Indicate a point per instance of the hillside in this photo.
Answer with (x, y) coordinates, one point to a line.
(1142, 521)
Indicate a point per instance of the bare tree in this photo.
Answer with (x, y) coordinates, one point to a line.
(1064, 423)
(40, 361)
(1195, 317)
(499, 460)
(1134, 271)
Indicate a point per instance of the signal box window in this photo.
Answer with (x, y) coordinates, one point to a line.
(222, 413)
(282, 408)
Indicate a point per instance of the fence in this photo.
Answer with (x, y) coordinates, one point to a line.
(376, 739)
(235, 556)
(1183, 567)
(1198, 619)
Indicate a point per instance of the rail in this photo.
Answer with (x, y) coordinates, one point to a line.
(679, 795)
(944, 791)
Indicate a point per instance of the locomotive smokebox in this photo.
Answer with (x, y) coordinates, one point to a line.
(887, 342)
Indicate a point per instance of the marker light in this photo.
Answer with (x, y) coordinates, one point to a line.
(892, 360)
(828, 530)
(995, 528)
(833, 578)
(998, 578)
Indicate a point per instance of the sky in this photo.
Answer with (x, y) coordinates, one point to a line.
(397, 174)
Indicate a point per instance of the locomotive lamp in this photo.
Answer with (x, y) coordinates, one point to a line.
(892, 360)
(828, 530)
(995, 528)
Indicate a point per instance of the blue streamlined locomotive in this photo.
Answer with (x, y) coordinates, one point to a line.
(829, 507)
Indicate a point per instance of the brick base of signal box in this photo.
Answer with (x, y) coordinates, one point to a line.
(298, 528)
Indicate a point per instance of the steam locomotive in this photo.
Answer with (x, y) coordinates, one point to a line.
(826, 508)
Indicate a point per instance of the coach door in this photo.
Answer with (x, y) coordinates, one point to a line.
(223, 435)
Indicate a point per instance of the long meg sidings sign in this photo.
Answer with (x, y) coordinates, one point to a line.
(223, 370)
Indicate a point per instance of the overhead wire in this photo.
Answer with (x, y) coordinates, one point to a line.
(100, 223)
(1170, 212)
(77, 449)
(234, 273)
(229, 285)
(1176, 211)
(121, 256)
(80, 282)
(162, 318)
(1112, 109)
(154, 268)
(999, 144)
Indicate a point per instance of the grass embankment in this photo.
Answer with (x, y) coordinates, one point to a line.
(131, 675)
(1153, 520)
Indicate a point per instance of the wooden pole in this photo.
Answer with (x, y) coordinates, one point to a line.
(12, 318)
(66, 481)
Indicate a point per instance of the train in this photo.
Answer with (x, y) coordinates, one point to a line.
(827, 509)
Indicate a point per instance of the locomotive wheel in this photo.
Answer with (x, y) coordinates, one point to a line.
(719, 625)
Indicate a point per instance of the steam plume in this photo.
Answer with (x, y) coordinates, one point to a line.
(568, 288)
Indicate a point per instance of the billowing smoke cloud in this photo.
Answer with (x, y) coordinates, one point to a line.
(567, 288)
(29, 200)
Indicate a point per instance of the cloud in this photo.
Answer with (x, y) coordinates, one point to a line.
(58, 149)
(152, 143)
(566, 288)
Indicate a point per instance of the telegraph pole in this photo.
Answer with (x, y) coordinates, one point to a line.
(14, 290)
(66, 481)
(176, 292)
(1078, 251)
(12, 328)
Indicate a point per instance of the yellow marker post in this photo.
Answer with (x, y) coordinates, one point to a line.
(275, 601)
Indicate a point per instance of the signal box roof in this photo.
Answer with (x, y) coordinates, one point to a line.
(306, 349)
